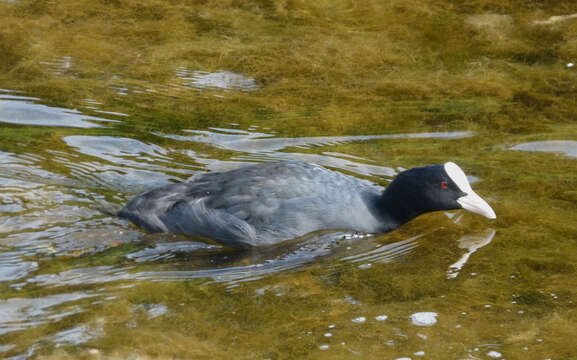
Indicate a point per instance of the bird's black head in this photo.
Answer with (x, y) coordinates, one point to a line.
(432, 188)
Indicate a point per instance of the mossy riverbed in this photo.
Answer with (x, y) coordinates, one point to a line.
(101, 99)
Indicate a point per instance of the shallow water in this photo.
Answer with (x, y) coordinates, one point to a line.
(443, 286)
(104, 99)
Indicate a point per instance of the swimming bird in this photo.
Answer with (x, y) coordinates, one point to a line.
(268, 203)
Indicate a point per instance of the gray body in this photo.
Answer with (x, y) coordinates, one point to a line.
(272, 202)
(259, 204)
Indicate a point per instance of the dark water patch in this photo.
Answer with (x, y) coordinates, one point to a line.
(549, 267)
(533, 297)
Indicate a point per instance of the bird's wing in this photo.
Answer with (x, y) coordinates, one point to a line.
(249, 205)
(193, 217)
(256, 193)
(171, 209)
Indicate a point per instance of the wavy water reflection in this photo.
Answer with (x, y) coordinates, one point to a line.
(52, 237)
(17, 314)
(471, 243)
(220, 80)
(122, 163)
(197, 260)
(205, 261)
(385, 253)
(254, 146)
(13, 268)
(22, 110)
(567, 147)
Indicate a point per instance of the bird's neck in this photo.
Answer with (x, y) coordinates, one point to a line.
(395, 208)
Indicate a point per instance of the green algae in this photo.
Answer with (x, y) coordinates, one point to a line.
(327, 68)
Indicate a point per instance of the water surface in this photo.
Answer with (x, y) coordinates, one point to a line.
(72, 276)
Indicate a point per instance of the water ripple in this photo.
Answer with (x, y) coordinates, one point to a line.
(13, 268)
(21, 110)
(265, 147)
(220, 80)
(263, 142)
(386, 253)
(567, 147)
(18, 314)
(122, 163)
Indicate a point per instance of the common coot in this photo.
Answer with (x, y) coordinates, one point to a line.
(271, 202)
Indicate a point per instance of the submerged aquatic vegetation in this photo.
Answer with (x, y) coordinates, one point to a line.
(308, 79)
(327, 57)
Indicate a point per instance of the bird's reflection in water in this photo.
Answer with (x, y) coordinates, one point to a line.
(470, 242)
(176, 258)
(190, 259)
(232, 266)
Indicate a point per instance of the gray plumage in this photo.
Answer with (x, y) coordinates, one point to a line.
(259, 204)
(268, 203)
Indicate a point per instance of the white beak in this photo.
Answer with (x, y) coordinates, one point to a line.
(476, 204)
(471, 201)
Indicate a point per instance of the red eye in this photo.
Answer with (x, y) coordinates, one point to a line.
(443, 184)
